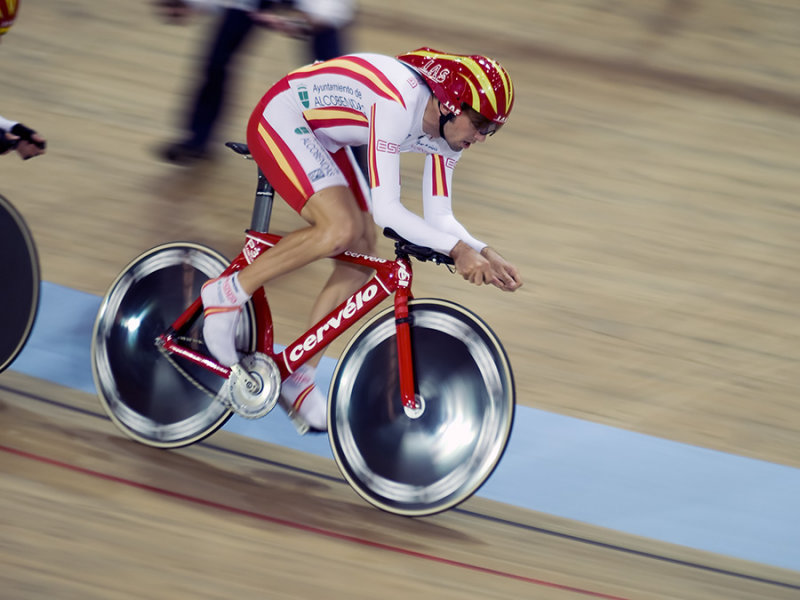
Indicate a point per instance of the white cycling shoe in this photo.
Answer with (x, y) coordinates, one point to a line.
(302, 400)
(223, 299)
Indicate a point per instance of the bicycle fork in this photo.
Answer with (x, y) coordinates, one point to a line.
(412, 405)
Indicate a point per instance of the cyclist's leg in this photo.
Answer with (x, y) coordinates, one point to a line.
(321, 187)
(323, 190)
(336, 224)
(347, 278)
(299, 392)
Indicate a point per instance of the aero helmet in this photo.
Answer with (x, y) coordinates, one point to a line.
(475, 80)
(8, 12)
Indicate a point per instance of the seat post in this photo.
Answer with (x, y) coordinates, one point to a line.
(262, 206)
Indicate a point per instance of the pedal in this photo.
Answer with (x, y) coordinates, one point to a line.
(254, 386)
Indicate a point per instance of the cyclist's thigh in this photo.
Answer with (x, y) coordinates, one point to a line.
(334, 208)
(291, 156)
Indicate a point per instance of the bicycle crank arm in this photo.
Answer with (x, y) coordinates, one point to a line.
(254, 386)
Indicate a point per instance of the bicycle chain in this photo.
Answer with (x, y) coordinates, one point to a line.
(299, 423)
(168, 355)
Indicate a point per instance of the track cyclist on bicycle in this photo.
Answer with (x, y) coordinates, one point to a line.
(425, 101)
(14, 135)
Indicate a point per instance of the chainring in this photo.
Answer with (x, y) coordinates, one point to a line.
(254, 386)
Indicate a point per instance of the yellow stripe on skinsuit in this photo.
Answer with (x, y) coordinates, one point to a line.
(369, 73)
(439, 179)
(281, 159)
(315, 114)
(372, 159)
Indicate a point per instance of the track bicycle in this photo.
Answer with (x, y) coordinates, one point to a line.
(420, 405)
(19, 268)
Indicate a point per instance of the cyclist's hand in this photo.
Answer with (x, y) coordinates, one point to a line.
(505, 275)
(28, 149)
(7, 142)
(24, 140)
(470, 265)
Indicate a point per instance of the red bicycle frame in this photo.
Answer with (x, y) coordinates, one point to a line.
(391, 277)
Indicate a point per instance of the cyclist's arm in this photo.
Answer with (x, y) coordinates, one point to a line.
(436, 199)
(5, 124)
(28, 143)
(6, 140)
(390, 124)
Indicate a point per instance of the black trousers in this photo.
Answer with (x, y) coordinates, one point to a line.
(232, 30)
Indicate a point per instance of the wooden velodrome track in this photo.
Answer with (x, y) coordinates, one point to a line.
(646, 185)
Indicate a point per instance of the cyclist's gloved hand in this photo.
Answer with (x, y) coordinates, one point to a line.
(27, 134)
(25, 140)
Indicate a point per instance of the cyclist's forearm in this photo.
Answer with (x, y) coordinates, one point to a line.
(6, 124)
(391, 213)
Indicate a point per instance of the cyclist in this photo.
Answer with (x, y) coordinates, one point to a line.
(8, 12)
(300, 134)
(27, 142)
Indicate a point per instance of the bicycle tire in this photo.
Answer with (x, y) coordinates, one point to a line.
(19, 268)
(145, 395)
(422, 466)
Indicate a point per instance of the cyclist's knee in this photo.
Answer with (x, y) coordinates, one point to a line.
(338, 222)
(364, 238)
(337, 237)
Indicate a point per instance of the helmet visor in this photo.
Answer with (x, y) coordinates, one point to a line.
(482, 124)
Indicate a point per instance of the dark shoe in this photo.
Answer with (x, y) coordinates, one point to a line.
(183, 154)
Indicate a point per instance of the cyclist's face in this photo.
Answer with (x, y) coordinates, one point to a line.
(468, 128)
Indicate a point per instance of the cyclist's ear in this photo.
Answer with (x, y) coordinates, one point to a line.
(445, 112)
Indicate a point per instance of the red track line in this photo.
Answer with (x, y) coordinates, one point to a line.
(300, 526)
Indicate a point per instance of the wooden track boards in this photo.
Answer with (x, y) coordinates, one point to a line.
(89, 514)
(646, 185)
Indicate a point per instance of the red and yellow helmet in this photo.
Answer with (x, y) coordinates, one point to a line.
(8, 12)
(476, 80)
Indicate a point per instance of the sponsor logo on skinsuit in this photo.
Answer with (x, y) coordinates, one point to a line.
(302, 93)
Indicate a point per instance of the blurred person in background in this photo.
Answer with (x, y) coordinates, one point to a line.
(320, 23)
(15, 135)
(301, 134)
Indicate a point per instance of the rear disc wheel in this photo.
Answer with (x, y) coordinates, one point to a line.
(145, 395)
